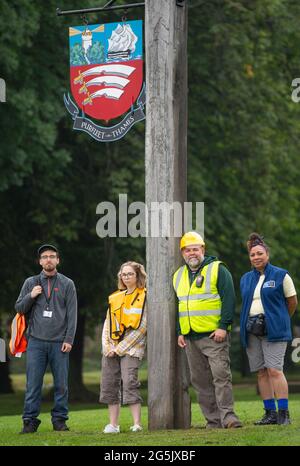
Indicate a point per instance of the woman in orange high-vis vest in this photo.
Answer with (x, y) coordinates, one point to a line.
(123, 346)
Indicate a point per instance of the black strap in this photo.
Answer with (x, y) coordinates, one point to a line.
(48, 298)
(29, 314)
(134, 299)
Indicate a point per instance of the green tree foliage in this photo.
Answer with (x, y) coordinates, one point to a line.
(52, 178)
(48, 171)
(243, 125)
(243, 146)
(95, 53)
(244, 128)
(77, 56)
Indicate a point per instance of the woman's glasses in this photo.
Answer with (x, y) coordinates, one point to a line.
(129, 274)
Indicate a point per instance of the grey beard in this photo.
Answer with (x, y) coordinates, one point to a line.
(194, 263)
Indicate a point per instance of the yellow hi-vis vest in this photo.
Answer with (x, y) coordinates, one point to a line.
(126, 311)
(199, 308)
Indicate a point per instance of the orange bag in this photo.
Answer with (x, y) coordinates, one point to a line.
(18, 341)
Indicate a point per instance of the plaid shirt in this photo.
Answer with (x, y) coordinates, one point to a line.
(133, 342)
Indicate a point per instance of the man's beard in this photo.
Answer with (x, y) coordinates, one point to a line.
(194, 263)
(49, 268)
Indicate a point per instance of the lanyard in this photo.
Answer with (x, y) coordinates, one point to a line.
(48, 298)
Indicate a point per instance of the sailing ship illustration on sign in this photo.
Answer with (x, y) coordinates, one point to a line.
(106, 72)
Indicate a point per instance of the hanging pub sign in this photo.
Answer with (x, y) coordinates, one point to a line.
(106, 73)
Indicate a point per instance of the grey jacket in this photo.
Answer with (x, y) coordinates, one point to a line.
(61, 326)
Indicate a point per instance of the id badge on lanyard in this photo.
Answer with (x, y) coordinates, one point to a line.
(47, 312)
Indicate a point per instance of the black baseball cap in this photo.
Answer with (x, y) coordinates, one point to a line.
(46, 247)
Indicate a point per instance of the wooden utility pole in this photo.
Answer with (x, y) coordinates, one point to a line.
(166, 154)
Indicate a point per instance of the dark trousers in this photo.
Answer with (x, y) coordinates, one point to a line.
(39, 354)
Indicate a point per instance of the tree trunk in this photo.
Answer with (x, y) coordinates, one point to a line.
(166, 149)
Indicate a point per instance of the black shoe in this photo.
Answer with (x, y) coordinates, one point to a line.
(270, 417)
(60, 426)
(30, 426)
(283, 417)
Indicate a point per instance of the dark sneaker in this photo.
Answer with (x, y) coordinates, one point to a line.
(60, 426)
(270, 417)
(30, 426)
(283, 417)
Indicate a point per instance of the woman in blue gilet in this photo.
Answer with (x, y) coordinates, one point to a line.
(268, 301)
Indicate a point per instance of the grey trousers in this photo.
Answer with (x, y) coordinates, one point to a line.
(209, 365)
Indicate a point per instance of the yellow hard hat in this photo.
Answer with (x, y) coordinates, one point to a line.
(191, 238)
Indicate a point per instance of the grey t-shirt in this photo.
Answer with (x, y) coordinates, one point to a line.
(59, 323)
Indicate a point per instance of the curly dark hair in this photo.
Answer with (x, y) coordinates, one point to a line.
(256, 240)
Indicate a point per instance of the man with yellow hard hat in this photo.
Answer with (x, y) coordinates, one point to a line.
(206, 303)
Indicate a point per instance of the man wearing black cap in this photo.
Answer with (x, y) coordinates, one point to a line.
(50, 298)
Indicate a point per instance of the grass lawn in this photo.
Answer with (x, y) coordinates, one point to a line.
(87, 421)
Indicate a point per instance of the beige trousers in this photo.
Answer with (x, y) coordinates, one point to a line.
(115, 370)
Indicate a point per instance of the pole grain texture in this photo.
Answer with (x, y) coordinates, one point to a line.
(166, 160)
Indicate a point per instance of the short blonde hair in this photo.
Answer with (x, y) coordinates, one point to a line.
(141, 275)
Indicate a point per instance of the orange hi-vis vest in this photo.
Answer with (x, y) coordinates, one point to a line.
(125, 311)
(18, 342)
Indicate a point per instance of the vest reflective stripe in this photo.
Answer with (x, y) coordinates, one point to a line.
(199, 307)
(208, 277)
(200, 313)
(178, 277)
(122, 317)
(117, 325)
(199, 296)
(133, 310)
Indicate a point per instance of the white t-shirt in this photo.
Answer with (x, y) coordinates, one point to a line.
(288, 290)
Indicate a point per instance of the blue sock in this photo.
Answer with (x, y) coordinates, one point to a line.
(283, 403)
(270, 404)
